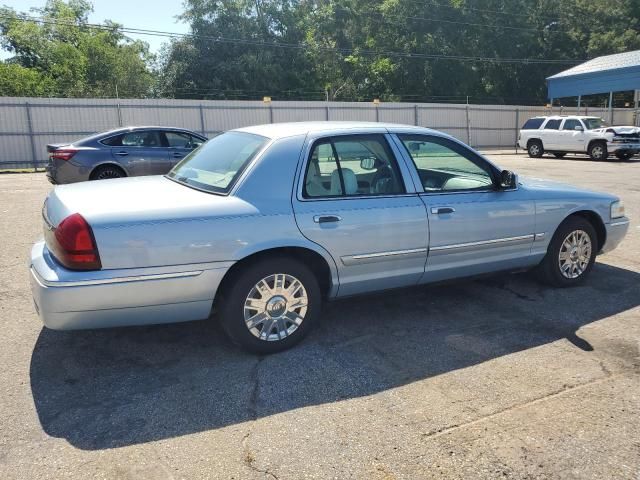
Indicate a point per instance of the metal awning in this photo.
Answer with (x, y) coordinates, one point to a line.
(611, 73)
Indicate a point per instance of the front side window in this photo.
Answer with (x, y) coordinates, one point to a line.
(593, 123)
(218, 163)
(553, 124)
(147, 138)
(571, 124)
(445, 166)
(182, 140)
(352, 165)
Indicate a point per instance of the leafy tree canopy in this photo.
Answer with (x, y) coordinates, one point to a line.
(63, 56)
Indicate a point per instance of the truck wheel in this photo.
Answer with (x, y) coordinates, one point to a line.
(598, 151)
(535, 149)
(624, 155)
(270, 305)
(559, 154)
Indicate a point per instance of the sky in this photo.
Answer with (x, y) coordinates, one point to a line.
(148, 14)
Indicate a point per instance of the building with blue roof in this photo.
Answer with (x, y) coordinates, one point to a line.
(611, 73)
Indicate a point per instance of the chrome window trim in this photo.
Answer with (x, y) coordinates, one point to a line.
(106, 281)
(482, 243)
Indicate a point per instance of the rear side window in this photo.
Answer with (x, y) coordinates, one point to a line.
(352, 165)
(147, 138)
(115, 141)
(553, 125)
(533, 124)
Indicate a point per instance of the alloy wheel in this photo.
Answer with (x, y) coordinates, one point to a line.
(275, 307)
(575, 254)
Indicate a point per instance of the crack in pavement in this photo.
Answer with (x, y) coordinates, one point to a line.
(249, 457)
(544, 398)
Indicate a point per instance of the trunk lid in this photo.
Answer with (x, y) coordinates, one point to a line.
(148, 221)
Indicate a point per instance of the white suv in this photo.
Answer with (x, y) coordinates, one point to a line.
(560, 135)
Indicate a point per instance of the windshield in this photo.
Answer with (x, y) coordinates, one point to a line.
(217, 164)
(592, 123)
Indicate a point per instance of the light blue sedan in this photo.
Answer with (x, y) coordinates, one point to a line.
(260, 225)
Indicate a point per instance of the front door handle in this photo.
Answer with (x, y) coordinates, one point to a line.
(327, 218)
(442, 210)
(122, 154)
(177, 155)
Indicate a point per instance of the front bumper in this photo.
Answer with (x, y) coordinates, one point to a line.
(616, 231)
(633, 148)
(70, 300)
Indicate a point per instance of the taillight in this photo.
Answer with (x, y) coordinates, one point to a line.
(63, 154)
(74, 245)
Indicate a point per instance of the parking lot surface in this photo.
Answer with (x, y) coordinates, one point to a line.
(493, 378)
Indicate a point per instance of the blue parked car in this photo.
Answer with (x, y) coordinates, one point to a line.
(263, 224)
(125, 152)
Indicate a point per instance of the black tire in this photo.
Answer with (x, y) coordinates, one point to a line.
(104, 172)
(549, 270)
(598, 151)
(559, 154)
(535, 148)
(624, 155)
(232, 304)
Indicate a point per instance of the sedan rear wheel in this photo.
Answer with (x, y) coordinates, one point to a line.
(270, 305)
(105, 172)
(571, 254)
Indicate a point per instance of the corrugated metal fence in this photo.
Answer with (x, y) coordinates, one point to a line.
(28, 124)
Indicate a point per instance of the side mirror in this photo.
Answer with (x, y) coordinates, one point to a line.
(508, 180)
(578, 128)
(414, 146)
(368, 163)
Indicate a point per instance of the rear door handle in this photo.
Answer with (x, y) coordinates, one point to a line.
(442, 210)
(177, 155)
(122, 154)
(327, 218)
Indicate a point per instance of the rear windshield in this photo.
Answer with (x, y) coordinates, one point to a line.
(533, 124)
(216, 165)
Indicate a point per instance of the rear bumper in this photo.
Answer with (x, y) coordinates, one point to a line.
(61, 172)
(69, 300)
(616, 231)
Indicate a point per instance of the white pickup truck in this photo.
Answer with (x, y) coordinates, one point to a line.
(560, 135)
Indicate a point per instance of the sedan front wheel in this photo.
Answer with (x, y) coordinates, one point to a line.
(570, 255)
(270, 305)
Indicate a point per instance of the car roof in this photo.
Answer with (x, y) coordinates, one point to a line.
(282, 130)
(559, 117)
(145, 127)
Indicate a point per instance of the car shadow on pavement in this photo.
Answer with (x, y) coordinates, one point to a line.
(112, 388)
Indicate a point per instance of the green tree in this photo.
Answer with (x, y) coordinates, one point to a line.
(64, 56)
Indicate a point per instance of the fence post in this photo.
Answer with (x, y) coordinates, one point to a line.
(202, 127)
(270, 113)
(377, 113)
(119, 114)
(34, 152)
(517, 127)
(415, 115)
(468, 126)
